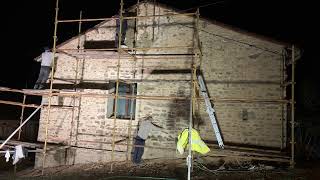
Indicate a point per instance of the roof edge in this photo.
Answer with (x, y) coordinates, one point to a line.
(215, 22)
(227, 26)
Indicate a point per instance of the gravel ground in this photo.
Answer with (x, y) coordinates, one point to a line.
(166, 169)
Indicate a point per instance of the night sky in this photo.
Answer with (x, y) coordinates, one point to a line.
(27, 26)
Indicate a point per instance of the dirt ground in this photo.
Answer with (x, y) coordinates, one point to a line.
(171, 170)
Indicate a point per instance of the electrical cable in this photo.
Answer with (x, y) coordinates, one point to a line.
(239, 42)
(205, 5)
(230, 39)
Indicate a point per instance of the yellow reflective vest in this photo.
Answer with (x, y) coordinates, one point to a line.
(197, 144)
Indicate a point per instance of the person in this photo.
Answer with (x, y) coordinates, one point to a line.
(145, 126)
(124, 27)
(46, 62)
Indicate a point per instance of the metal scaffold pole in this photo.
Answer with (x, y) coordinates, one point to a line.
(192, 98)
(74, 98)
(292, 163)
(97, 95)
(20, 130)
(51, 84)
(283, 96)
(132, 114)
(131, 17)
(189, 158)
(117, 84)
(22, 113)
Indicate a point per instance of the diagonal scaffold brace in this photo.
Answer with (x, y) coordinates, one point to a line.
(22, 124)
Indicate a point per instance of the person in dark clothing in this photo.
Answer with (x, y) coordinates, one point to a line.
(124, 27)
(138, 150)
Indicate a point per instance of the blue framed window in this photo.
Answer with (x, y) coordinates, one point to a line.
(125, 107)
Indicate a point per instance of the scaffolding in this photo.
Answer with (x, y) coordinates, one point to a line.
(195, 64)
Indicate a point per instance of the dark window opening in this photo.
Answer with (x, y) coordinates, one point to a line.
(245, 114)
(99, 44)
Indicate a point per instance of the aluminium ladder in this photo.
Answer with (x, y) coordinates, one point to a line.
(210, 111)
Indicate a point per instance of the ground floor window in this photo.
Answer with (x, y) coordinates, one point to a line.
(125, 107)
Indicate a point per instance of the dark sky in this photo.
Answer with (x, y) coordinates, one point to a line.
(27, 26)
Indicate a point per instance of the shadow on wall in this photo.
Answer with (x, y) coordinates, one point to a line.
(178, 114)
(65, 117)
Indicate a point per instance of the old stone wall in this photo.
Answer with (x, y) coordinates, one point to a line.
(234, 65)
(237, 71)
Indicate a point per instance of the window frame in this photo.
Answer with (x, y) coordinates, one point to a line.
(124, 89)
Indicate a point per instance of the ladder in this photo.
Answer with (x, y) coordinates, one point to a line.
(210, 111)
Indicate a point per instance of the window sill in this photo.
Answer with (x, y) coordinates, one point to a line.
(120, 118)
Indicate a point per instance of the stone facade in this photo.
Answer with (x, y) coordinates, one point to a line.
(234, 65)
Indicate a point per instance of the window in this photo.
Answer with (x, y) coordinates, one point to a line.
(124, 106)
(102, 44)
(245, 114)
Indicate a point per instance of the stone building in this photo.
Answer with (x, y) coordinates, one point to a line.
(242, 71)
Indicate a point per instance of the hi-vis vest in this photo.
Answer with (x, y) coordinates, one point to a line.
(197, 144)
